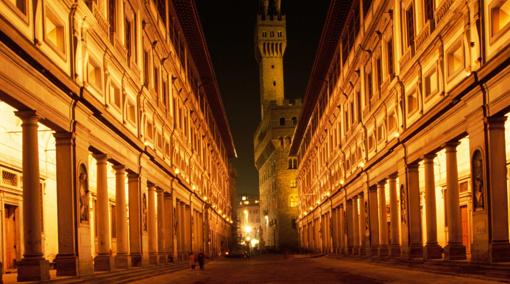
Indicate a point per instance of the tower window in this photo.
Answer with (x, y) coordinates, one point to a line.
(272, 66)
(274, 83)
(282, 121)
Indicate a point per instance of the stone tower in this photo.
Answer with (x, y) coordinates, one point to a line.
(270, 41)
(277, 171)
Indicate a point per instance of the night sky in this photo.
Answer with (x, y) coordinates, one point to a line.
(229, 30)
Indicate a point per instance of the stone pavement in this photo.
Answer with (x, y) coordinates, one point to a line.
(276, 269)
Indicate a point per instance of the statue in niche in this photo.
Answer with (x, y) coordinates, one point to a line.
(403, 204)
(477, 178)
(367, 225)
(84, 194)
(144, 212)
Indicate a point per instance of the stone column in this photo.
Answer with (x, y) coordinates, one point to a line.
(152, 226)
(499, 247)
(342, 225)
(355, 225)
(103, 260)
(415, 246)
(364, 234)
(350, 229)
(169, 228)
(66, 260)
(383, 223)
(454, 250)
(432, 250)
(121, 258)
(135, 224)
(161, 227)
(395, 237)
(374, 220)
(33, 266)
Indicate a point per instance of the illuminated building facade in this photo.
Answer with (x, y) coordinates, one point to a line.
(277, 172)
(402, 143)
(114, 147)
(248, 220)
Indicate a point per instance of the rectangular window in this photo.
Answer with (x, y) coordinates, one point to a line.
(94, 74)
(431, 83)
(455, 59)
(54, 32)
(409, 15)
(115, 96)
(378, 70)
(500, 16)
(112, 17)
(368, 84)
(389, 53)
(429, 10)
(21, 6)
(131, 112)
(146, 61)
(412, 102)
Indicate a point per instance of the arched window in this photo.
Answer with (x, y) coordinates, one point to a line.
(291, 164)
(282, 121)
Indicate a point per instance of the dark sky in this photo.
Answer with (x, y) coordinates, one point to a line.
(229, 30)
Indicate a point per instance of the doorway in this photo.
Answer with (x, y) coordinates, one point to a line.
(465, 230)
(11, 236)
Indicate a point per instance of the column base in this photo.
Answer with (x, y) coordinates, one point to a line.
(33, 269)
(66, 265)
(395, 250)
(374, 251)
(103, 262)
(499, 251)
(355, 251)
(455, 251)
(432, 251)
(413, 251)
(136, 260)
(364, 251)
(153, 258)
(349, 251)
(383, 251)
(163, 258)
(122, 260)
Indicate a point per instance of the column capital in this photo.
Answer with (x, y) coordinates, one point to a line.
(27, 116)
(393, 177)
(100, 157)
(381, 183)
(429, 157)
(412, 166)
(63, 136)
(119, 169)
(451, 146)
(496, 122)
(133, 176)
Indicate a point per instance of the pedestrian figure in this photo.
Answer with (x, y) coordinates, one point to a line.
(201, 260)
(192, 261)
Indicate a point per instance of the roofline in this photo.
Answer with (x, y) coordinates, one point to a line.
(187, 12)
(330, 37)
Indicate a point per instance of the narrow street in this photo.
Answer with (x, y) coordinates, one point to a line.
(276, 269)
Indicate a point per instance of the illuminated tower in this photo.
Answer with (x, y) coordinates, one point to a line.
(270, 41)
(277, 171)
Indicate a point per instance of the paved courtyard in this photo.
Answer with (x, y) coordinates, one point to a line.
(276, 269)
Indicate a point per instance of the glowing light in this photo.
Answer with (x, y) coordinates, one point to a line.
(177, 171)
(361, 164)
(342, 182)
(248, 229)
(205, 198)
(243, 198)
(193, 187)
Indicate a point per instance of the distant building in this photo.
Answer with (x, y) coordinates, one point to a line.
(277, 172)
(248, 220)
